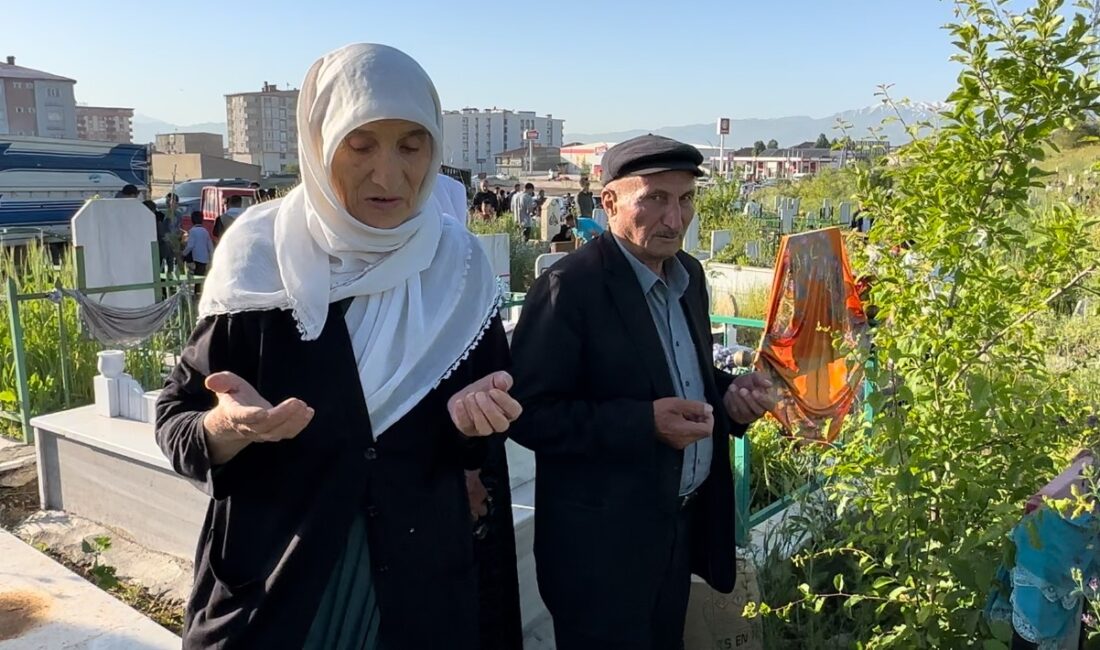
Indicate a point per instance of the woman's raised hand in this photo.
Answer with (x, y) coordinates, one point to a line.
(243, 416)
(485, 407)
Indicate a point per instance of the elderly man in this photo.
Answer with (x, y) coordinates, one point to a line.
(629, 420)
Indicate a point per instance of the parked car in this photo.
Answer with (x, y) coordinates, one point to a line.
(190, 193)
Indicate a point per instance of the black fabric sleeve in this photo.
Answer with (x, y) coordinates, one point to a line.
(218, 343)
(550, 364)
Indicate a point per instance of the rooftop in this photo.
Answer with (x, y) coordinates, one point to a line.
(8, 70)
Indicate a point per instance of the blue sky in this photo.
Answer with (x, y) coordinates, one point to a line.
(601, 65)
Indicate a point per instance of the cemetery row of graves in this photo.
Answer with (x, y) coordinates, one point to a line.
(984, 385)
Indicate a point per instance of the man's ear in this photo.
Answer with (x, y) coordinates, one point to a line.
(608, 201)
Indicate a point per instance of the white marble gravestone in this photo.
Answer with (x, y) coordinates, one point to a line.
(752, 250)
(845, 214)
(500, 257)
(117, 237)
(553, 216)
(719, 239)
(786, 221)
(691, 237)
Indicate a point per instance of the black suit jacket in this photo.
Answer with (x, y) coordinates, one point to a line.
(588, 366)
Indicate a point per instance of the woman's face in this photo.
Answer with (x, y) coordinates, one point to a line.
(378, 169)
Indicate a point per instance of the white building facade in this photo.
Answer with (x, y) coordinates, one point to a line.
(473, 137)
(263, 128)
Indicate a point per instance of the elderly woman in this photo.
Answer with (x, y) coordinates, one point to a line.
(347, 369)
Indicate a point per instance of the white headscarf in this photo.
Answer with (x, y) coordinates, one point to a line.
(424, 292)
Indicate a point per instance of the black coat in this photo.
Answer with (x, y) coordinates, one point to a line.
(280, 512)
(588, 364)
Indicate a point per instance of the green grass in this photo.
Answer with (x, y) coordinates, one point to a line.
(35, 272)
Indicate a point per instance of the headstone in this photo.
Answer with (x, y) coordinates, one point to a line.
(786, 221)
(117, 236)
(546, 260)
(716, 620)
(719, 239)
(552, 218)
(845, 214)
(752, 250)
(497, 248)
(691, 236)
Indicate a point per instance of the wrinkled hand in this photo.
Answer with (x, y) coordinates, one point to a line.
(477, 494)
(680, 422)
(243, 415)
(485, 407)
(749, 397)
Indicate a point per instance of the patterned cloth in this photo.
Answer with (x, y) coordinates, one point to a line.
(1039, 595)
(815, 317)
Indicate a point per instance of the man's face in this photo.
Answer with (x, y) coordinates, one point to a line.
(651, 213)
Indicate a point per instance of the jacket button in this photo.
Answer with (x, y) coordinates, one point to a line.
(372, 511)
(383, 569)
(371, 454)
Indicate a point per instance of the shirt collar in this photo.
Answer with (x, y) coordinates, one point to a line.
(676, 276)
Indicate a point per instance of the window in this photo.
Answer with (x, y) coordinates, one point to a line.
(31, 109)
(18, 109)
(17, 84)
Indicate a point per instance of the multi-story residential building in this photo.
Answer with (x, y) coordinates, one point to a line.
(105, 124)
(473, 138)
(36, 103)
(207, 144)
(263, 129)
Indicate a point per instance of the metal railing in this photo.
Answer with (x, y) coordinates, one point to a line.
(180, 326)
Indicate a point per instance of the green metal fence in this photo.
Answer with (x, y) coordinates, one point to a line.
(179, 328)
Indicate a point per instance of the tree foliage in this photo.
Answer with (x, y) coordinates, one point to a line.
(968, 419)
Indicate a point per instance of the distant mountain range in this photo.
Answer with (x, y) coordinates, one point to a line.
(787, 131)
(146, 128)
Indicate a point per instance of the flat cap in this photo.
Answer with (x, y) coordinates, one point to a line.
(650, 154)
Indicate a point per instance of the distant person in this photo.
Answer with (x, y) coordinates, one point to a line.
(174, 216)
(566, 232)
(128, 192)
(524, 209)
(164, 249)
(200, 247)
(234, 208)
(517, 189)
(502, 200)
(485, 196)
(540, 199)
(586, 203)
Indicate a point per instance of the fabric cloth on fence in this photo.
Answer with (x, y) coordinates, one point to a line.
(123, 326)
(814, 318)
